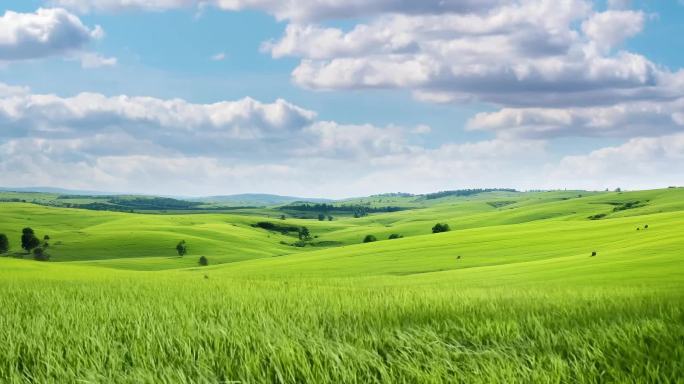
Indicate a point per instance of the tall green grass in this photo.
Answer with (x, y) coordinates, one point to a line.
(95, 326)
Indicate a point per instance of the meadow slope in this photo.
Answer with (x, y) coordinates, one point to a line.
(525, 302)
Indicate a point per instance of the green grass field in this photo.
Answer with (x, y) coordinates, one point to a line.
(510, 294)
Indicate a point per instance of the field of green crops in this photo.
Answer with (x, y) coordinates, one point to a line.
(510, 294)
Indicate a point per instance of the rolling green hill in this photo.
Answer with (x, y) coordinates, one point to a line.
(511, 294)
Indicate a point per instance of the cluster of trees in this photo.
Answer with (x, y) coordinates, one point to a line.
(465, 192)
(324, 209)
(302, 232)
(372, 238)
(437, 228)
(30, 243)
(629, 205)
(322, 217)
(283, 229)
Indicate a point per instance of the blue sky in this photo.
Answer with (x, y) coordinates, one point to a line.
(376, 96)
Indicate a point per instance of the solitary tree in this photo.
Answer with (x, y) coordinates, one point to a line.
(181, 248)
(321, 217)
(330, 218)
(29, 240)
(304, 233)
(439, 227)
(282, 217)
(203, 261)
(369, 239)
(4, 243)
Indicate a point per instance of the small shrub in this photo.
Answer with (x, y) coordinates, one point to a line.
(369, 239)
(593, 253)
(439, 228)
(203, 261)
(395, 236)
(181, 248)
(40, 254)
(646, 226)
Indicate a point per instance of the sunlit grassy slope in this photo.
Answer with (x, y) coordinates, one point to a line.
(486, 228)
(94, 235)
(525, 302)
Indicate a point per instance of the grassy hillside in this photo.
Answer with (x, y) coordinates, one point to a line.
(93, 235)
(524, 302)
(148, 240)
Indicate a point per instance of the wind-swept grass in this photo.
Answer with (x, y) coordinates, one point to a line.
(525, 302)
(114, 326)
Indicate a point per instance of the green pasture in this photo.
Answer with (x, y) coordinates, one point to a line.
(511, 294)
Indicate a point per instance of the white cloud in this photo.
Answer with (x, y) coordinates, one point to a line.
(46, 32)
(125, 143)
(534, 53)
(94, 60)
(91, 125)
(143, 144)
(333, 140)
(554, 68)
(524, 53)
(218, 57)
(422, 129)
(643, 118)
(609, 29)
(637, 164)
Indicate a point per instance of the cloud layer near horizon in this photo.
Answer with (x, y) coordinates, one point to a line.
(125, 143)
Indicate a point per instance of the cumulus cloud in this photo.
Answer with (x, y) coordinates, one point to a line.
(643, 118)
(46, 32)
(95, 124)
(144, 144)
(125, 143)
(93, 60)
(609, 29)
(218, 57)
(551, 68)
(523, 53)
(537, 53)
(639, 163)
